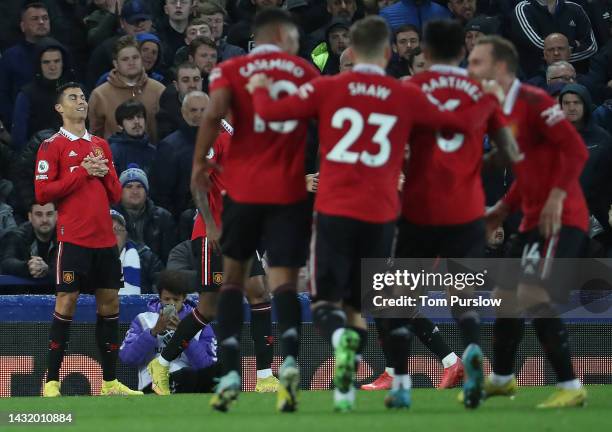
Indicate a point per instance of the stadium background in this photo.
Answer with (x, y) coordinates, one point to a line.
(25, 327)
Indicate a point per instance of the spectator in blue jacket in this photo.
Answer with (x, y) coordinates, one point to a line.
(17, 64)
(415, 12)
(131, 144)
(196, 368)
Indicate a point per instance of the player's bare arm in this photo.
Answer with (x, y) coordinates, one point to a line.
(550, 217)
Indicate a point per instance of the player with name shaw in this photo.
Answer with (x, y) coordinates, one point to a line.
(364, 127)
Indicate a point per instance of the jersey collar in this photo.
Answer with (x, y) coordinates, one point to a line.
(369, 68)
(265, 49)
(441, 68)
(73, 137)
(511, 97)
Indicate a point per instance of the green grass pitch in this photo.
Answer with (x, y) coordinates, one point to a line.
(432, 411)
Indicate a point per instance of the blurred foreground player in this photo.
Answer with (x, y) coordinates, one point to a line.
(443, 199)
(74, 169)
(554, 225)
(364, 126)
(266, 199)
(205, 239)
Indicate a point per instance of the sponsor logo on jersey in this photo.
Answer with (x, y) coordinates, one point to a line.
(68, 277)
(217, 278)
(43, 166)
(552, 115)
(72, 153)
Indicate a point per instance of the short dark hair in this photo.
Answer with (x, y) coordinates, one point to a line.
(61, 89)
(369, 35)
(173, 281)
(444, 39)
(124, 42)
(503, 50)
(198, 42)
(32, 5)
(417, 51)
(272, 16)
(406, 28)
(129, 109)
(34, 202)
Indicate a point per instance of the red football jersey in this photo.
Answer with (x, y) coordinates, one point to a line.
(265, 161)
(83, 201)
(215, 194)
(554, 156)
(443, 183)
(365, 119)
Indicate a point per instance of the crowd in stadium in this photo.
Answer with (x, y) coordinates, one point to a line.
(145, 66)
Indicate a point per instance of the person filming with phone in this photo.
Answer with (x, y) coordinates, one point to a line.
(195, 370)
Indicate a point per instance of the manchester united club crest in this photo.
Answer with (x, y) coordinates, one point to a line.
(218, 278)
(97, 151)
(68, 277)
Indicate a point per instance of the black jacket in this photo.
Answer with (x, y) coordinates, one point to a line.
(532, 22)
(127, 150)
(600, 73)
(18, 246)
(169, 116)
(172, 170)
(596, 178)
(23, 172)
(35, 104)
(157, 226)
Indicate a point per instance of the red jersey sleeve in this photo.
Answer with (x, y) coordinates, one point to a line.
(497, 120)
(558, 131)
(428, 114)
(49, 185)
(218, 79)
(110, 180)
(300, 105)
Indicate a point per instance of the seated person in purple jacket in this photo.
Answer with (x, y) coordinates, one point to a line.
(196, 368)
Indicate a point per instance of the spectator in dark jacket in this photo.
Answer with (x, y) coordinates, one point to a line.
(415, 12)
(214, 14)
(603, 116)
(197, 27)
(406, 39)
(241, 33)
(599, 78)
(326, 55)
(171, 29)
(17, 64)
(172, 167)
(35, 104)
(135, 18)
(28, 251)
(196, 368)
(183, 259)
(188, 79)
(596, 179)
(139, 264)
(203, 54)
(132, 144)
(146, 223)
(22, 172)
(533, 20)
(462, 10)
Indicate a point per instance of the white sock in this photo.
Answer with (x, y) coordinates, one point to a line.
(349, 395)
(403, 381)
(449, 360)
(500, 380)
(570, 385)
(264, 373)
(336, 335)
(390, 371)
(163, 361)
